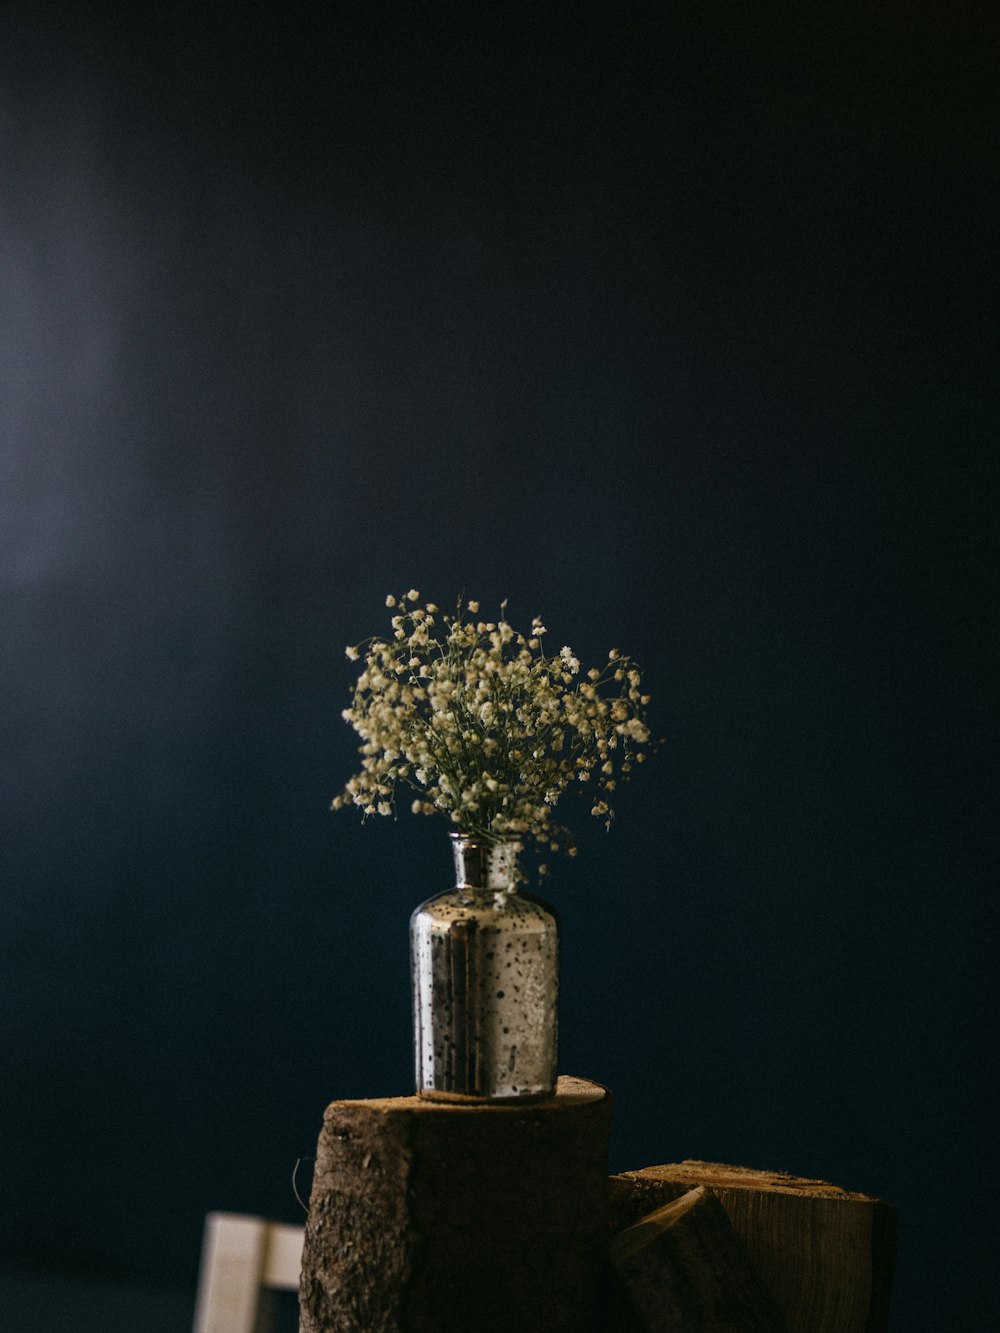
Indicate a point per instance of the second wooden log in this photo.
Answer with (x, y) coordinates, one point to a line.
(825, 1253)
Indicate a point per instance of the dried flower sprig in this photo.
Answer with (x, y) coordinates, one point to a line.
(486, 727)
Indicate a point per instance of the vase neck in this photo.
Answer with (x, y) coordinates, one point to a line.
(480, 864)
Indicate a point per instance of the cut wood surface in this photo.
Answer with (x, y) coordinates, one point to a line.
(436, 1217)
(826, 1254)
(687, 1271)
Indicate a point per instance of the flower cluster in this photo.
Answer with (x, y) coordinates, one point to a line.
(482, 724)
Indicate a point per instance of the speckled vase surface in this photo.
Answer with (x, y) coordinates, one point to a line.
(485, 969)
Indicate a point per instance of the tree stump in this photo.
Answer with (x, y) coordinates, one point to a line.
(687, 1271)
(439, 1217)
(825, 1254)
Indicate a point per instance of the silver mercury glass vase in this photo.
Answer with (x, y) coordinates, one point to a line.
(484, 960)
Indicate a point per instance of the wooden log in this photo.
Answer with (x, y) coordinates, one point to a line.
(687, 1271)
(826, 1254)
(453, 1218)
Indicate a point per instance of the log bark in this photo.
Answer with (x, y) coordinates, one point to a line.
(687, 1271)
(430, 1216)
(826, 1254)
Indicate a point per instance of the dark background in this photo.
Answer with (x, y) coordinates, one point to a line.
(671, 323)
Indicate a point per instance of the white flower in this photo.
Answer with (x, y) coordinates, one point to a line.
(572, 662)
(473, 607)
(390, 600)
(352, 653)
(412, 595)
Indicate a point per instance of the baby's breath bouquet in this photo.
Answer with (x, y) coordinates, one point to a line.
(482, 724)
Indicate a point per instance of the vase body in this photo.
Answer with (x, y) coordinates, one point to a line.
(484, 961)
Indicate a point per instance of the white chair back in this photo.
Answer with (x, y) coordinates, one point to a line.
(243, 1259)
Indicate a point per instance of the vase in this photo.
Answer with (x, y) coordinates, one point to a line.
(484, 961)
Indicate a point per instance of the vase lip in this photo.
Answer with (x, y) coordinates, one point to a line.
(481, 839)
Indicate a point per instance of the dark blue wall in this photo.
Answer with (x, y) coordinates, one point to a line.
(672, 326)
